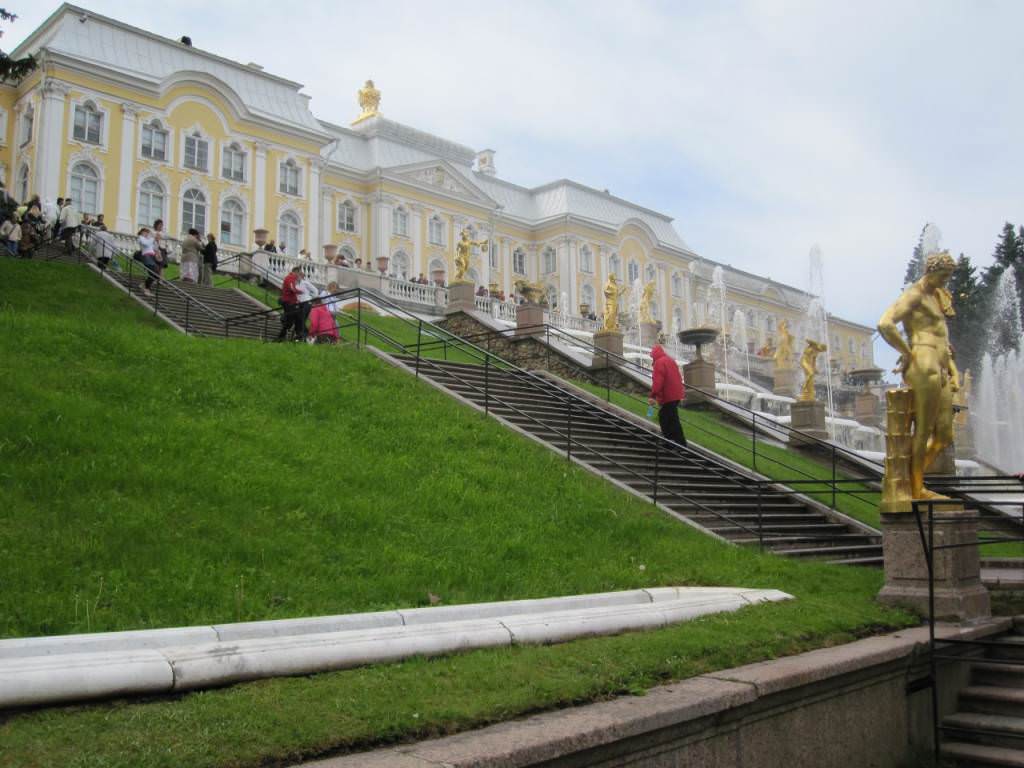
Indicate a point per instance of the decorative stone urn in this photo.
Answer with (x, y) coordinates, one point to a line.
(382, 264)
(584, 310)
(330, 252)
(261, 236)
(492, 290)
(531, 293)
(437, 276)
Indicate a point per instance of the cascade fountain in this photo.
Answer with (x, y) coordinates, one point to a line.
(740, 336)
(997, 405)
(716, 302)
(816, 324)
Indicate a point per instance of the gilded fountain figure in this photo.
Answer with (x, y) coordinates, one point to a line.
(645, 303)
(809, 365)
(463, 250)
(612, 293)
(784, 350)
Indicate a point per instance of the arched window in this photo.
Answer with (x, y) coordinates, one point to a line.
(398, 265)
(436, 230)
(438, 271)
(23, 181)
(400, 221)
(347, 217)
(232, 222)
(519, 261)
(85, 188)
(193, 211)
(677, 319)
(649, 273)
(88, 123)
(348, 253)
(587, 295)
(151, 202)
(634, 272)
(548, 265)
(586, 260)
(233, 165)
(289, 232)
(615, 265)
(154, 141)
(552, 295)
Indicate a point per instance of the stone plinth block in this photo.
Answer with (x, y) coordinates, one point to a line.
(784, 382)
(698, 374)
(865, 409)
(461, 297)
(959, 593)
(529, 320)
(648, 334)
(610, 341)
(808, 416)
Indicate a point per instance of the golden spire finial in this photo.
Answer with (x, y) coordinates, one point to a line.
(369, 102)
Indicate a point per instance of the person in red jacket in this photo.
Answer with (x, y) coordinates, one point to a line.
(667, 390)
(292, 316)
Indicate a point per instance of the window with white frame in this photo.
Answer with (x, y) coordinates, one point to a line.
(291, 176)
(289, 233)
(493, 255)
(649, 273)
(587, 295)
(552, 296)
(85, 188)
(519, 261)
(347, 217)
(233, 165)
(23, 181)
(633, 272)
(197, 153)
(88, 123)
(864, 350)
(436, 233)
(27, 118)
(154, 141)
(232, 222)
(400, 221)
(348, 254)
(193, 211)
(677, 284)
(615, 265)
(586, 260)
(548, 260)
(851, 345)
(152, 199)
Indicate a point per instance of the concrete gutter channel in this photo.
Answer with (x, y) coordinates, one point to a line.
(51, 670)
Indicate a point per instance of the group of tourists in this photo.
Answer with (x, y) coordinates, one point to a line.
(198, 259)
(27, 225)
(308, 314)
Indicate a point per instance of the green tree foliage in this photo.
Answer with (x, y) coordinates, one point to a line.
(1002, 331)
(12, 70)
(915, 268)
(968, 325)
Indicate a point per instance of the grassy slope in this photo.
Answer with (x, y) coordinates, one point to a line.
(151, 480)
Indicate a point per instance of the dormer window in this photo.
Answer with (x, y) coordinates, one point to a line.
(290, 177)
(154, 141)
(88, 123)
(197, 152)
(233, 166)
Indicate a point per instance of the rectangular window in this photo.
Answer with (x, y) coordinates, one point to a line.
(87, 125)
(289, 179)
(494, 256)
(436, 231)
(154, 143)
(347, 217)
(519, 262)
(234, 164)
(196, 153)
(26, 127)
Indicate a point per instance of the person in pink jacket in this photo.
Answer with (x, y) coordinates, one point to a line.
(322, 328)
(667, 390)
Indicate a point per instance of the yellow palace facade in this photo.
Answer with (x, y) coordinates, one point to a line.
(138, 127)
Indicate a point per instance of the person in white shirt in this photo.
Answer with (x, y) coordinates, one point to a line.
(307, 292)
(69, 220)
(333, 304)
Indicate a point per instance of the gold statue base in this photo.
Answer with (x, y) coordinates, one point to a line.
(808, 417)
(529, 320)
(698, 374)
(609, 341)
(784, 382)
(461, 297)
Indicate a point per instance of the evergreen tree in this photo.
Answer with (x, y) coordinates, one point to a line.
(12, 70)
(1002, 331)
(916, 266)
(967, 327)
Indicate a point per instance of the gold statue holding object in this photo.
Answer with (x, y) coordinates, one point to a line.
(645, 303)
(809, 365)
(463, 250)
(927, 367)
(369, 102)
(784, 350)
(612, 292)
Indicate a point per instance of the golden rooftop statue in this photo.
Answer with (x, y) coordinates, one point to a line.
(784, 350)
(612, 292)
(809, 364)
(645, 303)
(930, 379)
(463, 248)
(369, 102)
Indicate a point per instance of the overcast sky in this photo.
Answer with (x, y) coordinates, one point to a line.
(762, 128)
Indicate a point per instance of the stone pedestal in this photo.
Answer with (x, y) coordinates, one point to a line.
(865, 409)
(808, 416)
(461, 297)
(959, 593)
(698, 373)
(610, 341)
(784, 382)
(529, 320)
(648, 334)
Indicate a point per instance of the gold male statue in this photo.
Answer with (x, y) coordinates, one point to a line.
(645, 303)
(612, 292)
(784, 350)
(809, 365)
(926, 363)
(369, 102)
(463, 249)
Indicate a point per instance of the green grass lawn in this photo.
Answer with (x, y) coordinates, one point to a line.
(712, 431)
(151, 480)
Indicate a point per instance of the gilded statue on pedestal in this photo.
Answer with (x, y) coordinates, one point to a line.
(926, 364)
(463, 249)
(645, 303)
(612, 292)
(784, 350)
(369, 102)
(809, 365)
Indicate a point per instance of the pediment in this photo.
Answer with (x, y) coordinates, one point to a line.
(442, 177)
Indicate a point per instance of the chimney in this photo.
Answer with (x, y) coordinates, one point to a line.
(485, 162)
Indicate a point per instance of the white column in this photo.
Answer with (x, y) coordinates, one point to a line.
(313, 225)
(417, 241)
(125, 184)
(50, 140)
(381, 227)
(259, 213)
(505, 254)
(327, 214)
(664, 294)
(567, 276)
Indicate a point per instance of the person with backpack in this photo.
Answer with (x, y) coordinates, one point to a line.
(667, 390)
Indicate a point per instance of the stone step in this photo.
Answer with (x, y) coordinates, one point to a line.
(1010, 647)
(992, 700)
(995, 673)
(991, 730)
(840, 550)
(969, 755)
